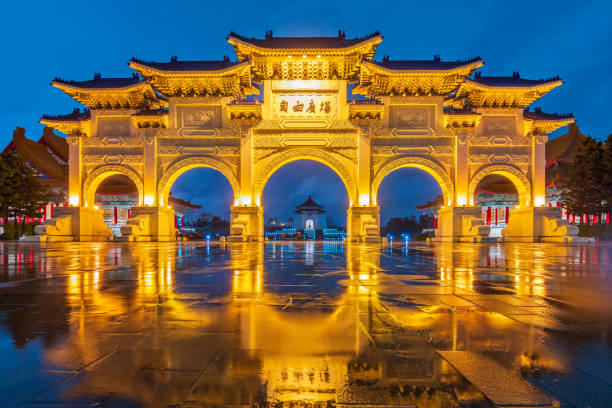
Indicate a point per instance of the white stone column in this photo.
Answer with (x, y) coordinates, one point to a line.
(150, 193)
(462, 174)
(538, 170)
(75, 172)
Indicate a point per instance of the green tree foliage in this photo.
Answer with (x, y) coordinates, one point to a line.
(585, 192)
(21, 192)
(607, 180)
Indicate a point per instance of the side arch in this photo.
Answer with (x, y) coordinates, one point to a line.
(515, 175)
(99, 174)
(180, 166)
(429, 166)
(317, 155)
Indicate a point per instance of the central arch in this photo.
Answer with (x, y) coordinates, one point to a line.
(429, 166)
(182, 165)
(515, 175)
(101, 173)
(320, 156)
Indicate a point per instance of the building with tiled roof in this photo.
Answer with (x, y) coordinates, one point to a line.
(310, 215)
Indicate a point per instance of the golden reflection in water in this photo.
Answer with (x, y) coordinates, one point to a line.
(305, 350)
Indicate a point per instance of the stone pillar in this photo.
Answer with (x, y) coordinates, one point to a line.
(461, 224)
(246, 223)
(74, 224)
(150, 194)
(75, 172)
(246, 170)
(152, 223)
(538, 170)
(363, 224)
(540, 224)
(363, 168)
(461, 170)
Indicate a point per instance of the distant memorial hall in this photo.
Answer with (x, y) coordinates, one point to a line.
(438, 116)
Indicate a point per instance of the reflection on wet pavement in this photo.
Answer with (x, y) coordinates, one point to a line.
(305, 324)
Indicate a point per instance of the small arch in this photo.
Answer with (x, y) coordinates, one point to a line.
(101, 173)
(429, 166)
(182, 165)
(512, 173)
(305, 154)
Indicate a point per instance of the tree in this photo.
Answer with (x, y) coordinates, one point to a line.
(21, 192)
(585, 191)
(607, 180)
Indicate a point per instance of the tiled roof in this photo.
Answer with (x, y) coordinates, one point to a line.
(424, 65)
(37, 155)
(272, 42)
(433, 204)
(511, 81)
(175, 201)
(75, 116)
(102, 83)
(356, 101)
(152, 112)
(176, 65)
(537, 114)
(309, 204)
(455, 111)
(56, 143)
(564, 148)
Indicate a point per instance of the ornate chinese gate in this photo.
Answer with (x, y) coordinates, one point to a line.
(434, 115)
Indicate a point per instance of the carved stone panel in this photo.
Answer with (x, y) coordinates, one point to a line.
(199, 117)
(114, 127)
(412, 117)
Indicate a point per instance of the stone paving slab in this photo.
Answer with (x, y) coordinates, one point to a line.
(501, 386)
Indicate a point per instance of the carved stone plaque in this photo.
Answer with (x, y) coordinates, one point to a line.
(200, 117)
(304, 105)
(114, 127)
(498, 125)
(414, 117)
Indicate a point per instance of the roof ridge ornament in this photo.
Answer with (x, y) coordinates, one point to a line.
(341, 34)
(269, 35)
(97, 75)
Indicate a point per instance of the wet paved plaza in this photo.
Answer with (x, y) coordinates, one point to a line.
(305, 324)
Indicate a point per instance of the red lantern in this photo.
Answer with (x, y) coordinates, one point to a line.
(115, 215)
(507, 215)
(435, 222)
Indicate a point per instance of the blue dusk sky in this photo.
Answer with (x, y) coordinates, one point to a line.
(75, 39)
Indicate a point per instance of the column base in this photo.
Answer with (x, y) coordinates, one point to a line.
(540, 224)
(246, 224)
(74, 224)
(149, 224)
(363, 224)
(461, 224)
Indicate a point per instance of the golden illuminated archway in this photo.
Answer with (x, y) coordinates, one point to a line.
(429, 166)
(181, 166)
(97, 176)
(317, 155)
(435, 115)
(520, 181)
